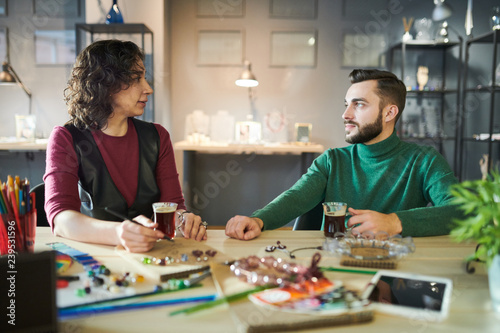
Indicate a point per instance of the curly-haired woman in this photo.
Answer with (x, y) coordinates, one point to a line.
(105, 157)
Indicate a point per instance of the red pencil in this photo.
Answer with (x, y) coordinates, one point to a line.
(20, 231)
(4, 244)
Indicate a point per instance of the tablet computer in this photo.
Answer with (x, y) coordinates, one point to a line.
(419, 297)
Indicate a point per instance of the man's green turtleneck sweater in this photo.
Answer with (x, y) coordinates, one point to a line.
(391, 176)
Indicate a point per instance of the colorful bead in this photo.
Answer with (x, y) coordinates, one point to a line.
(80, 292)
(97, 281)
(211, 253)
(184, 257)
(146, 260)
(87, 290)
(114, 289)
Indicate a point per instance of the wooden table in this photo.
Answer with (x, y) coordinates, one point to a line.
(40, 144)
(470, 309)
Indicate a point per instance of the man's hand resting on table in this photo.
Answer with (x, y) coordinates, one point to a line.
(373, 221)
(244, 227)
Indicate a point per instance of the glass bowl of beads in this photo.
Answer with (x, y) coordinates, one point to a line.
(266, 270)
(271, 271)
(370, 246)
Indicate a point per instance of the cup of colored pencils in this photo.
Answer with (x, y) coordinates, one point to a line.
(18, 211)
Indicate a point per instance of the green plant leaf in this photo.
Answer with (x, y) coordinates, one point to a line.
(480, 202)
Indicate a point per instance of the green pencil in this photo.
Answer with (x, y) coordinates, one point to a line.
(211, 304)
(348, 270)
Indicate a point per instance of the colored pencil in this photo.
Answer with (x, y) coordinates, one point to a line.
(7, 200)
(348, 270)
(91, 310)
(27, 194)
(222, 300)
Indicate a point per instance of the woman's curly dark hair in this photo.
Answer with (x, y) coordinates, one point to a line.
(103, 68)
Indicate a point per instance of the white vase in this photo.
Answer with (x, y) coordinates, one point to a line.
(494, 281)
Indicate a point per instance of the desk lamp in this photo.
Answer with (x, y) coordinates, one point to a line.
(441, 11)
(247, 79)
(6, 77)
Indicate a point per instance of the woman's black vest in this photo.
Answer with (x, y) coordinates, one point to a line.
(96, 187)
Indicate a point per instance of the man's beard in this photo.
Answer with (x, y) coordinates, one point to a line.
(367, 132)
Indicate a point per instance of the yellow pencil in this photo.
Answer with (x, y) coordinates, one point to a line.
(16, 191)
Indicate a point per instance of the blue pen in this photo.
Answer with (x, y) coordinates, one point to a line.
(91, 310)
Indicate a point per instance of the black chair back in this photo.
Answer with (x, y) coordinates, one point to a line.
(41, 217)
(311, 220)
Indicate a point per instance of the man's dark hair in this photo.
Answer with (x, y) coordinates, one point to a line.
(102, 69)
(390, 89)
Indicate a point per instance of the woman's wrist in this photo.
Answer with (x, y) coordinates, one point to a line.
(180, 215)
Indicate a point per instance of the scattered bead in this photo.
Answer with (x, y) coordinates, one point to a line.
(184, 257)
(211, 253)
(146, 260)
(97, 281)
(87, 290)
(80, 292)
(114, 289)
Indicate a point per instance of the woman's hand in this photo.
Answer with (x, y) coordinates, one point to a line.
(191, 225)
(140, 236)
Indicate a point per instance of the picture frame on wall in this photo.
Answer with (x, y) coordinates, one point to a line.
(362, 10)
(25, 127)
(293, 9)
(55, 47)
(3, 8)
(58, 9)
(220, 8)
(303, 133)
(3, 44)
(363, 50)
(220, 47)
(293, 48)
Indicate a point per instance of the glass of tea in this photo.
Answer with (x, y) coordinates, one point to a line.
(334, 218)
(164, 215)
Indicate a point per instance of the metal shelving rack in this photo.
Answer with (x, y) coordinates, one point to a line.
(440, 93)
(491, 38)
